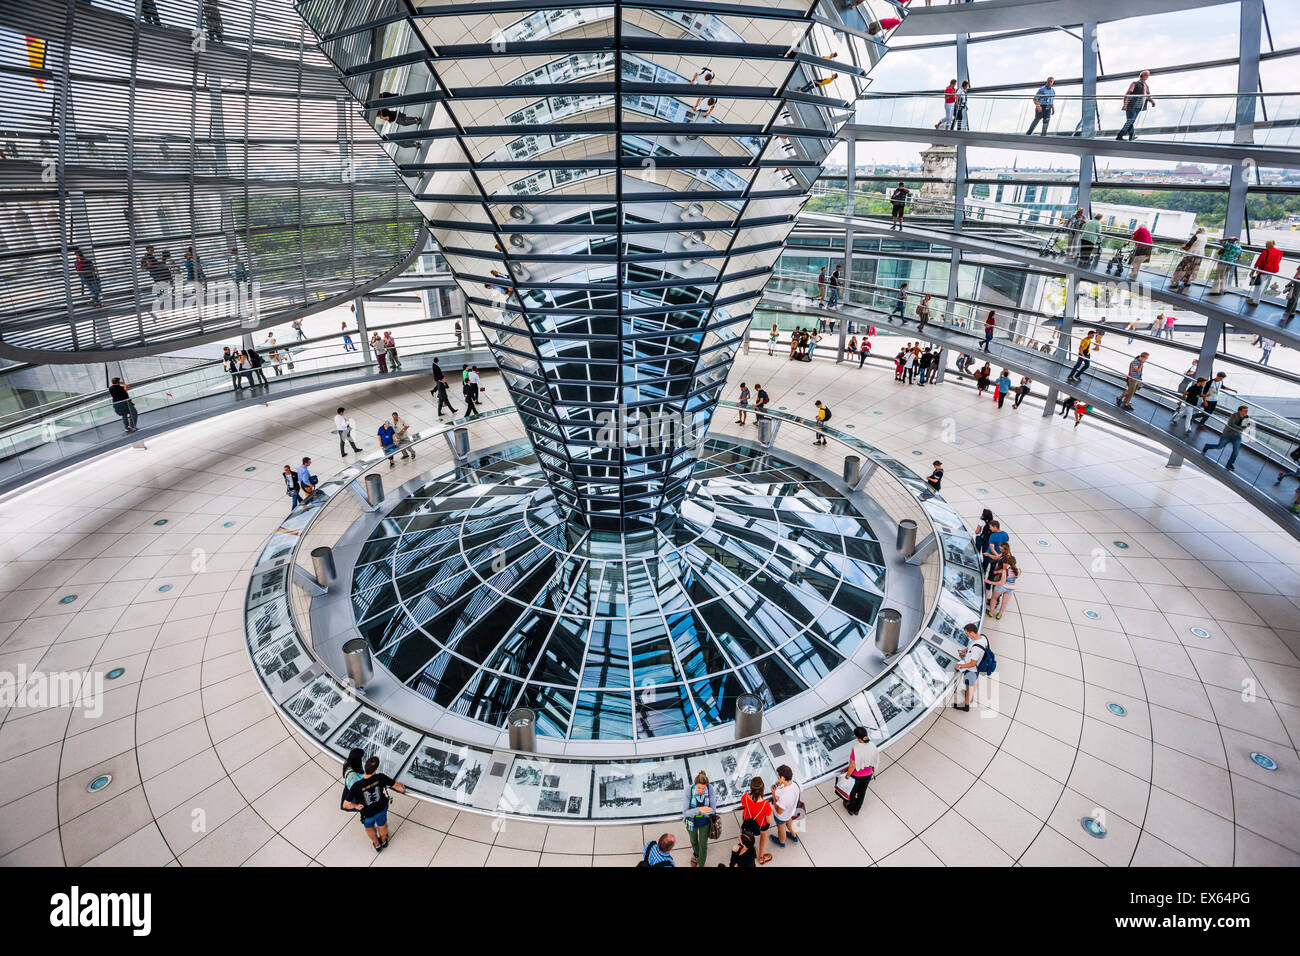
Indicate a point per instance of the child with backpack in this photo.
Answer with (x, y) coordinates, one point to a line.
(823, 416)
(977, 658)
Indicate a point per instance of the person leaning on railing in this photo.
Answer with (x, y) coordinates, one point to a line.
(1188, 265)
(1267, 264)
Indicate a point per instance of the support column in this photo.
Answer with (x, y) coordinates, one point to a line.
(850, 174)
(1088, 117)
(1252, 18)
(366, 357)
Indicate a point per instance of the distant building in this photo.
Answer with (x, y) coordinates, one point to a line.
(1161, 222)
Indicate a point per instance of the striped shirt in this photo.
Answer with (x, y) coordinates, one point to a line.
(654, 855)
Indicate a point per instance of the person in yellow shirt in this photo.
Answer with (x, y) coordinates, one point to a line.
(823, 416)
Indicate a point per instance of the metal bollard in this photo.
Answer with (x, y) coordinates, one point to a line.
(749, 716)
(906, 536)
(889, 624)
(322, 562)
(357, 662)
(522, 722)
(852, 470)
(374, 490)
(765, 431)
(460, 442)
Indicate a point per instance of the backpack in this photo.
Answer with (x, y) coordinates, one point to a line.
(644, 862)
(347, 785)
(827, 416)
(988, 663)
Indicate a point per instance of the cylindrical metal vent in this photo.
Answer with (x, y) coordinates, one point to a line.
(374, 490)
(765, 428)
(749, 716)
(460, 442)
(322, 562)
(889, 624)
(852, 469)
(522, 722)
(357, 661)
(906, 536)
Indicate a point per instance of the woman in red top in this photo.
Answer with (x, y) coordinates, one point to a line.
(1269, 260)
(754, 806)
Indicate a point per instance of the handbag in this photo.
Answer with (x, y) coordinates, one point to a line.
(843, 787)
(715, 827)
(799, 811)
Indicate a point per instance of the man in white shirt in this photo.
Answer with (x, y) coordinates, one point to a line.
(785, 803)
(402, 436)
(474, 381)
(968, 667)
(344, 430)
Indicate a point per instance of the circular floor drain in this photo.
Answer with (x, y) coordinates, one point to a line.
(1093, 827)
(1042, 543)
(1040, 484)
(251, 468)
(164, 588)
(877, 413)
(160, 521)
(983, 491)
(1090, 613)
(798, 393)
(916, 453)
(228, 524)
(1120, 544)
(1264, 760)
(1119, 710)
(115, 673)
(99, 783)
(780, 408)
(67, 599)
(1200, 632)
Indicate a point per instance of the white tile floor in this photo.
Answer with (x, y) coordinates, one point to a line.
(205, 772)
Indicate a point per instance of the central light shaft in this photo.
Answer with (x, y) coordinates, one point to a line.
(611, 186)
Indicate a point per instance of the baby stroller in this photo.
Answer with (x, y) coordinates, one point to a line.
(1119, 261)
(1055, 244)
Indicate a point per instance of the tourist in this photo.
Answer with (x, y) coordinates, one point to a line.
(813, 339)
(1067, 406)
(900, 303)
(900, 365)
(823, 416)
(1021, 391)
(1090, 241)
(934, 480)
(1232, 435)
(700, 810)
(960, 117)
(821, 289)
(833, 287)
(1003, 582)
(949, 105)
(390, 346)
(772, 337)
(923, 311)
(348, 345)
(1169, 327)
(476, 383)
(122, 404)
(439, 392)
(982, 531)
(743, 412)
(1191, 399)
(990, 323)
(754, 806)
(297, 327)
(1295, 457)
(402, 436)
(971, 657)
(306, 480)
(742, 853)
(1230, 252)
(344, 430)
(1211, 400)
(1133, 382)
(1267, 346)
(468, 391)
(864, 349)
(993, 546)
(370, 796)
(760, 402)
(1043, 106)
(1002, 387)
(255, 364)
(1267, 264)
(1079, 409)
(1142, 249)
(1188, 377)
(863, 759)
(292, 487)
(381, 356)
(785, 805)
(1292, 297)
(230, 362)
(982, 379)
(88, 275)
(658, 853)
(1136, 99)
(1190, 263)
(899, 199)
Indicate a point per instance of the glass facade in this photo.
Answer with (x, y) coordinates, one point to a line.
(174, 169)
(611, 187)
